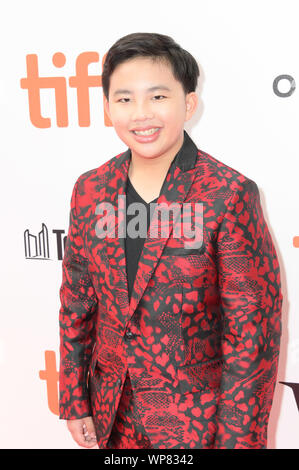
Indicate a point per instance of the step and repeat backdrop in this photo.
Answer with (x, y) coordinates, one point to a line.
(53, 129)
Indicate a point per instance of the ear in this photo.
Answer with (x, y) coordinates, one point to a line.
(191, 104)
(106, 107)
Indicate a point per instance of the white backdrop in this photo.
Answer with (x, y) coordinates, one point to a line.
(241, 47)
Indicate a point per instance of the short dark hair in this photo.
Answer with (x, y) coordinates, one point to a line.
(158, 47)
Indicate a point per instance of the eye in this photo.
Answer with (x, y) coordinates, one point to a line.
(123, 99)
(159, 96)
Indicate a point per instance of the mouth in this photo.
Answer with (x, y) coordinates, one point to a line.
(146, 132)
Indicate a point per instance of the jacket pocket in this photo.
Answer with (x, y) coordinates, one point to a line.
(180, 251)
(200, 376)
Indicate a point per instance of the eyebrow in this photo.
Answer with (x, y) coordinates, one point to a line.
(153, 88)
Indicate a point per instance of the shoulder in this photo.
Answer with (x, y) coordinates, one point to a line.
(98, 177)
(214, 173)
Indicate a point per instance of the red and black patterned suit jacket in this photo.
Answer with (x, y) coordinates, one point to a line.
(200, 336)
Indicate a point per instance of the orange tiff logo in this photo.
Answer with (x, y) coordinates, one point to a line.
(81, 81)
(51, 376)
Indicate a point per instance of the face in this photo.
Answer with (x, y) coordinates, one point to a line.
(144, 95)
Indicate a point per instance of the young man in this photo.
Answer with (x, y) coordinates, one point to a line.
(166, 344)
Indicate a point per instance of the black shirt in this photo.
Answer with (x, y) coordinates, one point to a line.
(133, 246)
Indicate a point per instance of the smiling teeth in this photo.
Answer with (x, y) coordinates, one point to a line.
(148, 132)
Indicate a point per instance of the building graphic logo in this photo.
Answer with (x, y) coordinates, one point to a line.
(37, 246)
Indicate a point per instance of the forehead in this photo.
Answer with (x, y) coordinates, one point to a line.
(142, 69)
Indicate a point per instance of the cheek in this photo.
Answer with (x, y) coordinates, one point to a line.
(120, 120)
(121, 127)
(173, 116)
(119, 116)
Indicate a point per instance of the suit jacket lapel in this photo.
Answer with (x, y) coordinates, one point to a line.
(174, 190)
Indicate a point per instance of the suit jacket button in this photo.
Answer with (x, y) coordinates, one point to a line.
(129, 334)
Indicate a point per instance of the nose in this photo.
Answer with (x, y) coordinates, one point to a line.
(142, 111)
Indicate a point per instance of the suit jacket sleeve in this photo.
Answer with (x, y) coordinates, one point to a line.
(251, 301)
(76, 322)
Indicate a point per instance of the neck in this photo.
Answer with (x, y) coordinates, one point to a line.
(153, 167)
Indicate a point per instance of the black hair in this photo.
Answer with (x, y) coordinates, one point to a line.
(158, 47)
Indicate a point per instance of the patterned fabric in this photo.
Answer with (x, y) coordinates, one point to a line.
(200, 335)
(128, 431)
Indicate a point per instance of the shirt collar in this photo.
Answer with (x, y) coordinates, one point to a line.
(185, 157)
